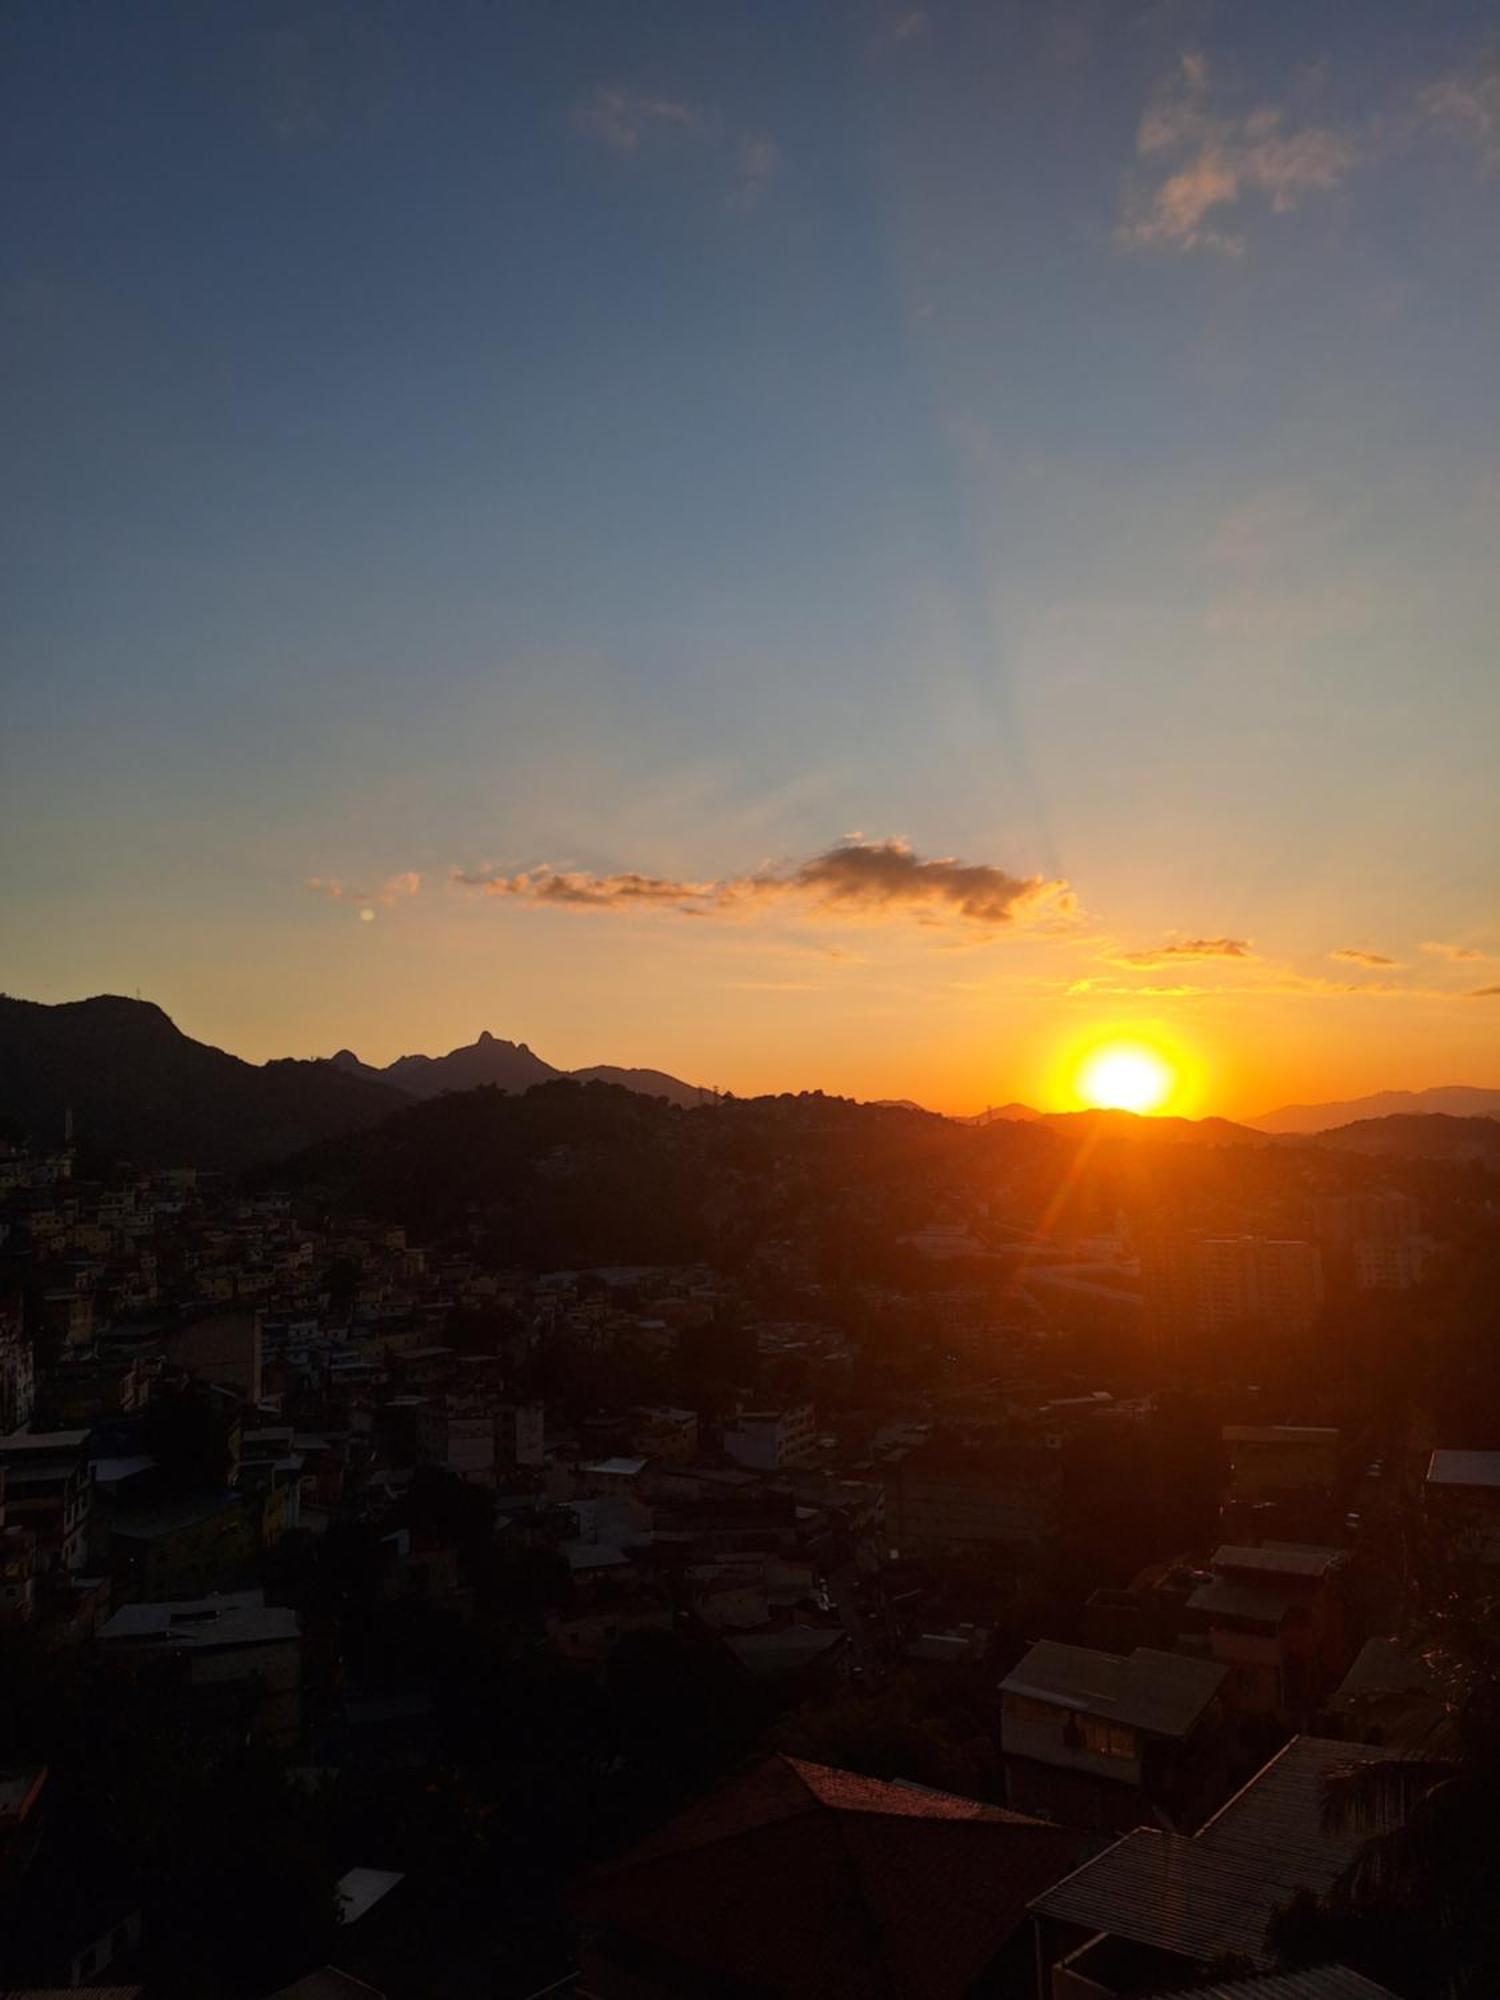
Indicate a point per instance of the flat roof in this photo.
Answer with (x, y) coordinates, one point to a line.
(1278, 1559)
(617, 1468)
(1261, 1602)
(1161, 1693)
(1464, 1468)
(205, 1624)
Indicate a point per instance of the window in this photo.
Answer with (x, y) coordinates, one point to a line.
(1107, 1739)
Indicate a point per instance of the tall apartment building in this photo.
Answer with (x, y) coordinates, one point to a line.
(1195, 1284)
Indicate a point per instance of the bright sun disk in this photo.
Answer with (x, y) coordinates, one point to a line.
(1125, 1076)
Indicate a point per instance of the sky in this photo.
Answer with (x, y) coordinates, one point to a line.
(840, 545)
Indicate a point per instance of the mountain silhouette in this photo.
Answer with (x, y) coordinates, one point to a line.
(140, 1089)
(1453, 1100)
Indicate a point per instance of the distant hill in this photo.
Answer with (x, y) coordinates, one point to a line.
(509, 1066)
(503, 1065)
(645, 1082)
(1097, 1125)
(140, 1089)
(1453, 1100)
(1431, 1136)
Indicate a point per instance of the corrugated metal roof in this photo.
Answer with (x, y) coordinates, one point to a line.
(1311, 1982)
(1213, 1895)
(1277, 1559)
(1162, 1693)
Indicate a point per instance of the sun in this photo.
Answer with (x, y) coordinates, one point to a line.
(1125, 1076)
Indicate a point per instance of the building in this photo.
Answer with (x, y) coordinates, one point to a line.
(946, 1495)
(804, 1881)
(1389, 1264)
(178, 1543)
(665, 1433)
(1157, 1910)
(1283, 1482)
(1104, 1740)
(232, 1641)
(47, 1492)
(1274, 1618)
(771, 1440)
(1461, 1495)
(1193, 1285)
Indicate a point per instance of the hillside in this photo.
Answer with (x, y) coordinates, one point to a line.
(1454, 1100)
(1417, 1137)
(140, 1089)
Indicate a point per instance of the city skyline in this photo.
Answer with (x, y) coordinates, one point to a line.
(867, 550)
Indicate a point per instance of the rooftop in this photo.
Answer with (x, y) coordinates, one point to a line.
(876, 1888)
(1464, 1468)
(1262, 1603)
(1161, 1693)
(1280, 1558)
(1213, 1895)
(1308, 1982)
(204, 1624)
(1279, 1434)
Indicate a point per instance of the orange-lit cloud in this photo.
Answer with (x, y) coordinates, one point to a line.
(856, 879)
(1200, 166)
(1460, 953)
(1350, 955)
(1485, 993)
(1178, 948)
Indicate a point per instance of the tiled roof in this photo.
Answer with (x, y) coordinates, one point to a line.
(1162, 1693)
(1213, 1895)
(805, 1881)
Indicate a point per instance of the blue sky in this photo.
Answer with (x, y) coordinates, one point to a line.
(670, 441)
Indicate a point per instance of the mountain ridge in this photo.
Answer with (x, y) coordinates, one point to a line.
(1457, 1100)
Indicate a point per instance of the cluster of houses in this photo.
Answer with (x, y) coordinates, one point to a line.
(1162, 1781)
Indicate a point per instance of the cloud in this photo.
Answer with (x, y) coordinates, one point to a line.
(1460, 953)
(627, 122)
(1199, 166)
(1485, 993)
(759, 162)
(1219, 947)
(621, 119)
(1464, 106)
(395, 889)
(1350, 955)
(857, 879)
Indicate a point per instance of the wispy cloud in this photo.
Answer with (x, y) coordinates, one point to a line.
(1199, 168)
(1351, 955)
(394, 889)
(1485, 993)
(1464, 105)
(623, 119)
(1461, 954)
(630, 122)
(1179, 948)
(856, 879)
